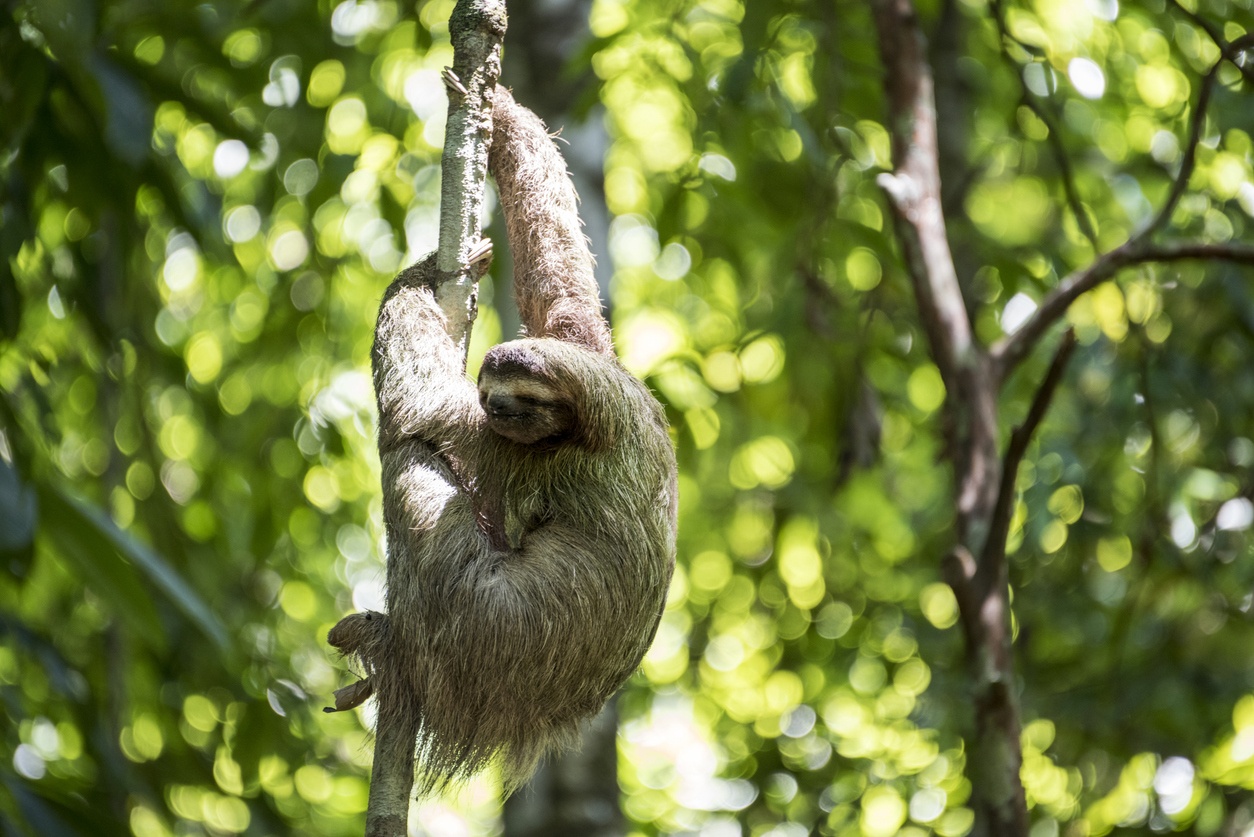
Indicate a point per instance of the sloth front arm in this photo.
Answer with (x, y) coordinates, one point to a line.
(419, 374)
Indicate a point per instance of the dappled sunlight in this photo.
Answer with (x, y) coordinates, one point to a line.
(189, 490)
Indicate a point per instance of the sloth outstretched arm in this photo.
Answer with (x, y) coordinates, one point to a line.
(531, 519)
(554, 284)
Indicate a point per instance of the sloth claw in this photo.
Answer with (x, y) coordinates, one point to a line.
(481, 252)
(452, 82)
(351, 696)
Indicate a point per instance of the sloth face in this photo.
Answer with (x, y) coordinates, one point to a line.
(520, 397)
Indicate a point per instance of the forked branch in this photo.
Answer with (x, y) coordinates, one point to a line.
(1140, 249)
(1013, 348)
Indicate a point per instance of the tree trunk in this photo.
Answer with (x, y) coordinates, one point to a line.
(983, 483)
(575, 795)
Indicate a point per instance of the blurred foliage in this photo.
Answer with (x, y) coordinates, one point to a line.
(201, 204)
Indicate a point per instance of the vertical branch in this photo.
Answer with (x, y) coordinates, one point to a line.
(392, 775)
(980, 586)
(914, 193)
(476, 28)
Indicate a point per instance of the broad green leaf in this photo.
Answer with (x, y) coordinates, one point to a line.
(87, 553)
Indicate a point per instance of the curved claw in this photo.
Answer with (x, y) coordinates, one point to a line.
(351, 696)
(452, 82)
(481, 252)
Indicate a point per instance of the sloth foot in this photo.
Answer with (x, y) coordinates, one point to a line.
(452, 82)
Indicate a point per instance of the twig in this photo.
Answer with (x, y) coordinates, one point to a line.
(1230, 49)
(1013, 348)
(1054, 137)
(1082, 219)
(995, 546)
(1181, 182)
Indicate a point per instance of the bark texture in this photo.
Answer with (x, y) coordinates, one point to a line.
(477, 28)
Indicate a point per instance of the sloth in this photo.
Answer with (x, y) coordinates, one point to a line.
(530, 519)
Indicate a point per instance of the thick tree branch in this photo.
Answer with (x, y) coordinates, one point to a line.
(1011, 349)
(914, 189)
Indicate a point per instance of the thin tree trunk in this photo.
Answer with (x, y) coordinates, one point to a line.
(476, 28)
(976, 569)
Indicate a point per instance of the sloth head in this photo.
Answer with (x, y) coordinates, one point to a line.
(524, 395)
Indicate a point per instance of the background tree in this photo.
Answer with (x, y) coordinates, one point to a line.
(201, 204)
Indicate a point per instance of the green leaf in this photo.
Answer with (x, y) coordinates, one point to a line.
(85, 551)
(111, 557)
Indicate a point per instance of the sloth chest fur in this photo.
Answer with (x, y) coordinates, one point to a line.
(544, 498)
(530, 509)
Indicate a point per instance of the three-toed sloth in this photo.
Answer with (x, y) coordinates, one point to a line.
(531, 519)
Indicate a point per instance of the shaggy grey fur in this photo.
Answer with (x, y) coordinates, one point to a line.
(525, 580)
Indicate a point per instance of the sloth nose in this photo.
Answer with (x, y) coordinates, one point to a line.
(502, 403)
